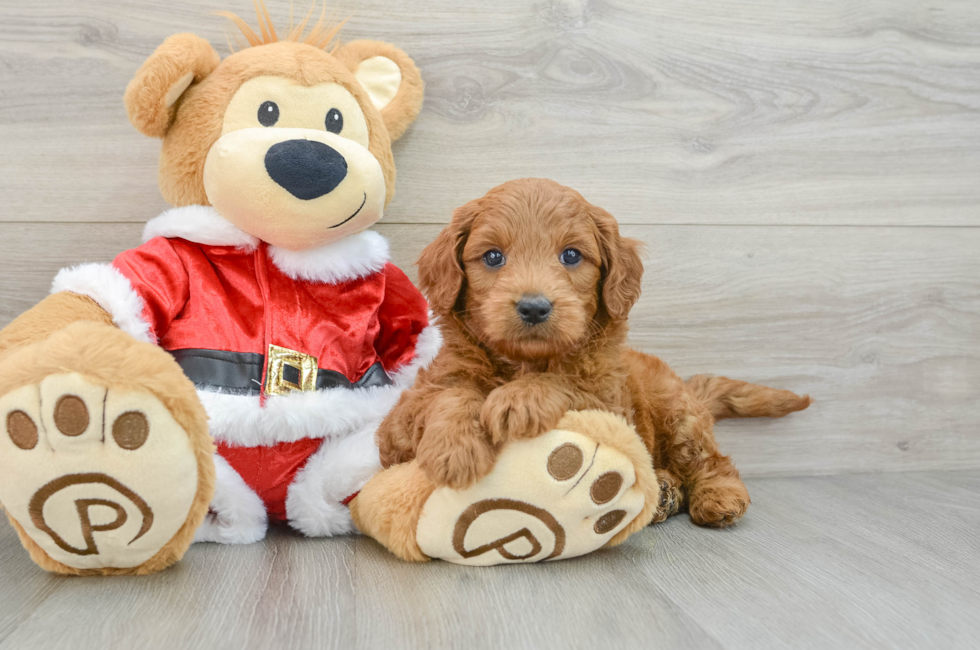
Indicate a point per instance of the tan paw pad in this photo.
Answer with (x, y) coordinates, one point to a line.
(556, 496)
(97, 478)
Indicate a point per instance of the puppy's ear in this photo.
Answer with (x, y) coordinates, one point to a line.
(441, 275)
(622, 268)
(151, 97)
(390, 78)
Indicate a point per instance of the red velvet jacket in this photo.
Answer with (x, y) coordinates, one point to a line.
(199, 283)
(238, 300)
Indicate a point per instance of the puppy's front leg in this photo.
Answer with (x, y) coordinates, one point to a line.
(531, 405)
(454, 449)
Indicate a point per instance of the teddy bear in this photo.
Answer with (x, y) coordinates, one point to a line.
(231, 371)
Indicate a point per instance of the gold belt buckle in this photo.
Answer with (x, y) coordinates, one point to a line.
(298, 366)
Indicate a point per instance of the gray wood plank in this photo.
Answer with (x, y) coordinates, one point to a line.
(817, 565)
(25, 587)
(286, 591)
(857, 561)
(880, 325)
(594, 602)
(750, 111)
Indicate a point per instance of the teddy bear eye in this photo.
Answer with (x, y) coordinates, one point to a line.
(493, 258)
(335, 121)
(268, 113)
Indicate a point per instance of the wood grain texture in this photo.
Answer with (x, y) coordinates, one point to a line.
(804, 176)
(286, 591)
(855, 562)
(750, 111)
(859, 561)
(880, 325)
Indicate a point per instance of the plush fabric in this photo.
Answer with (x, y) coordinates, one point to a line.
(388, 509)
(112, 291)
(239, 515)
(197, 124)
(49, 316)
(400, 111)
(109, 359)
(315, 504)
(526, 509)
(180, 60)
(200, 224)
(264, 273)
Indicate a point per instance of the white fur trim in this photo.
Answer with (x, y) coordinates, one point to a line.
(352, 257)
(104, 284)
(200, 224)
(331, 413)
(237, 513)
(314, 505)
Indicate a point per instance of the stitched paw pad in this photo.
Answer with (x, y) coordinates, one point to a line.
(97, 478)
(556, 496)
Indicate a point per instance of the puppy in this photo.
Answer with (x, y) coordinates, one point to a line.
(533, 286)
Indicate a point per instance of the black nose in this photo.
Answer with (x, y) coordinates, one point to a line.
(305, 168)
(534, 309)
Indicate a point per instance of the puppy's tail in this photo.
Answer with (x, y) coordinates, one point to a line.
(731, 398)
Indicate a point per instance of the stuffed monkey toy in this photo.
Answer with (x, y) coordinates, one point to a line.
(231, 370)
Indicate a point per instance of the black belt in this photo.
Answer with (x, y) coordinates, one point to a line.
(241, 372)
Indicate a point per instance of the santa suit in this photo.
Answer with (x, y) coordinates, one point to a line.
(297, 356)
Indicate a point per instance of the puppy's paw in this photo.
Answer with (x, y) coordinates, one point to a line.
(456, 459)
(718, 504)
(671, 496)
(515, 411)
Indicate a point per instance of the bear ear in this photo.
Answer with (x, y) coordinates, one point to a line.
(390, 78)
(151, 97)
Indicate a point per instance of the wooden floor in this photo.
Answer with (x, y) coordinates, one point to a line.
(806, 178)
(858, 561)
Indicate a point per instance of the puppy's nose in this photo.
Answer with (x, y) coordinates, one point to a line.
(307, 169)
(534, 309)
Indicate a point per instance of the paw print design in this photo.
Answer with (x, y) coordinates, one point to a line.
(96, 477)
(556, 496)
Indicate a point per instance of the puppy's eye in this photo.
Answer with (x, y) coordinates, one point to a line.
(268, 113)
(570, 257)
(334, 121)
(493, 258)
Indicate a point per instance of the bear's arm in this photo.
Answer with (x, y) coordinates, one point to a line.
(48, 316)
(156, 273)
(403, 316)
(141, 292)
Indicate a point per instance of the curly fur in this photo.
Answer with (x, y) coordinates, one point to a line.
(498, 378)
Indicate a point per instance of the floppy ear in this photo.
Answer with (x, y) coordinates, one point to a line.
(151, 97)
(390, 78)
(441, 275)
(622, 268)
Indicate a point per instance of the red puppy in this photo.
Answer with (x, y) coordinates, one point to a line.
(533, 285)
